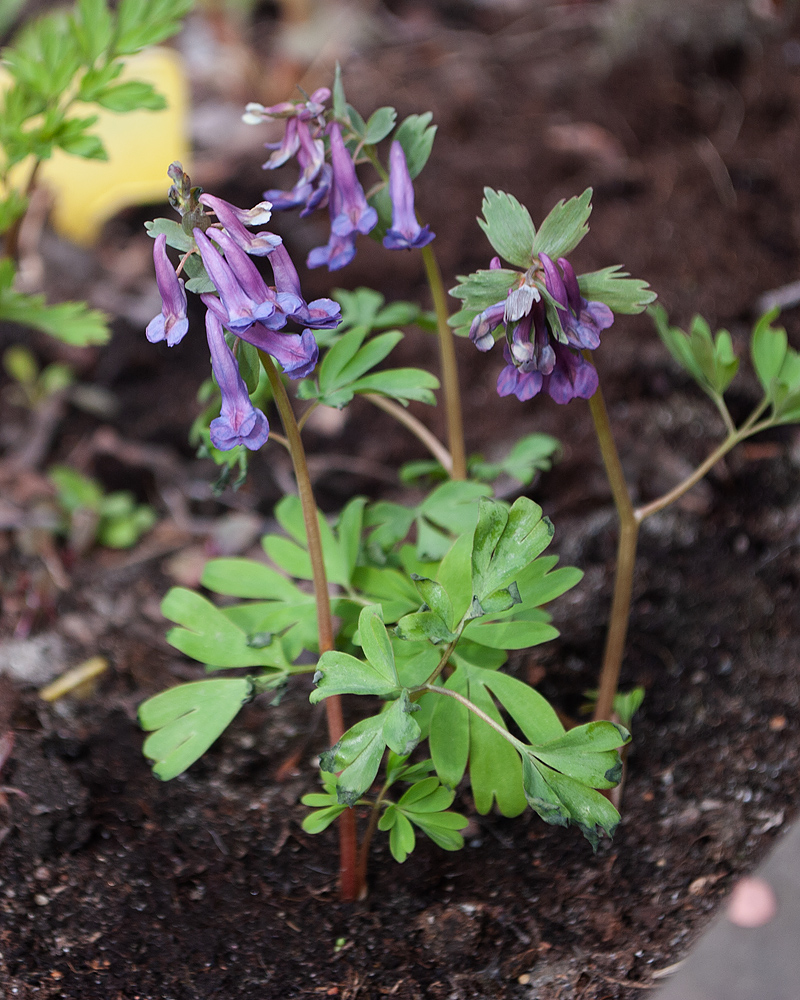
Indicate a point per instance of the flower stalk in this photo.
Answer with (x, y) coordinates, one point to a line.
(449, 368)
(350, 885)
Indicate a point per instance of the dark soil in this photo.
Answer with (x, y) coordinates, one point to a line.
(115, 886)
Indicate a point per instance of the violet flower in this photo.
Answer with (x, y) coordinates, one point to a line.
(339, 250)
(321, 314)
(234, 220)
(405, 232)
(244, 297)
(296, 353)
(353, 213)
(239, 421)
(542, 354)
(313, 185)
(172, 322)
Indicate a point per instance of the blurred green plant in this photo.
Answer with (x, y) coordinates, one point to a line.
(61, 66)
(89, 515)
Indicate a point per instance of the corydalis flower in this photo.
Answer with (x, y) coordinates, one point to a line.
(172, 322)
(405, 232)
(239, 421)
(234, 220)
(542, 349)
(353, 213)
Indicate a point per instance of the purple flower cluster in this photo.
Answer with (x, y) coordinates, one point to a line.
(245, 305)
(336, 185)
(542, 352)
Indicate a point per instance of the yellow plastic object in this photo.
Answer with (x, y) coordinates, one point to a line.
(140, 145)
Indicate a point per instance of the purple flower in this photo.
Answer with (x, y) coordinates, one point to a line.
(302, 110)
(296, 353)
(542, 351)
(321, 314)
(405, 232)
(239, 421)
(172, 322)
(353, 214)
(313, 185)
(235, 219)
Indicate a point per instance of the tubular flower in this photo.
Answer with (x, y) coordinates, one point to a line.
(543, 343)
(339, 250)
(239, 421)
(234, 220)
(353, 213)
(321, 314)
(296, 353)
(313, 185)
(405, 232)
(172, 322)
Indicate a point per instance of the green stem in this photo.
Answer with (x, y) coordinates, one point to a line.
(348, 876)
(447, 356)
(630, 519)
(417, 428)
(626, 560)
(369, 833)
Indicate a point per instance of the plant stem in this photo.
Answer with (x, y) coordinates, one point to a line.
(630, 519)
(447, 356)
(417, 428)
(349, 887)
(626, 559)
(369, 833)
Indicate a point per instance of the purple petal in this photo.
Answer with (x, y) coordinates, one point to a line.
(239, 421)
(353, 213)
(172, 322)
(405, 232)
(336, 254)
(572, 378)
(481, 332)
(243, 305)
(297, 354)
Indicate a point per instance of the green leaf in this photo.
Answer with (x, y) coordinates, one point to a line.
(401, 835)
(340, 673)
(415, 134)
(72, 322)
(520, 634)
(185, 721)
(380, 124)
(768, 350)
(20, 364)
(483, 288)
(402, 384)
(505, 542)
(564, 227)
(246, 578)
(562, 800)
(374, 640)
(587, 753)
(508, 226)
(531, 454)
(423, 625)
(358, 753)
(621, 293)
(348, 529)
(176, 237)
(93, 26)
(211, 636)
(320, 819)
(130, 96)
(147, 22)
(339, 99)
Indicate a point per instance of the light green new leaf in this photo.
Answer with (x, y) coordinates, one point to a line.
(131, 95)
(210, 636)
(380, 124)
(176, 236)
(768, 350)
(416, 134)
(508, 226)
(564, 227)
(358, 753)
(71, 322)
(505, 542)
(186, 720)
(620, 292)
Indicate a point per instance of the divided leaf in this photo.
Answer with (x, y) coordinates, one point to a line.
(185, 721)
(564, 227)
(508, 226)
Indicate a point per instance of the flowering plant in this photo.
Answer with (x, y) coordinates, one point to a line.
(415, 607)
